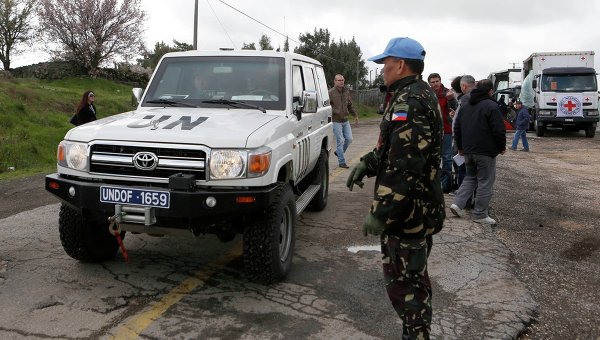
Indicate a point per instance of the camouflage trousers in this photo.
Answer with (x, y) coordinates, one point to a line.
(407, 283)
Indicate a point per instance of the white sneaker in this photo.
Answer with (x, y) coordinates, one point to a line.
(458, 212)
(487, 220)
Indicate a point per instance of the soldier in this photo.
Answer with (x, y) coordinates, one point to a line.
(408, 206)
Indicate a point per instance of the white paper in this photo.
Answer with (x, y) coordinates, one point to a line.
(459, 159)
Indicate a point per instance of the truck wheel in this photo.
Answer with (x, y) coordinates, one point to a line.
(83, 239)
(319, 202)
(590, 131)
(540, 129)
(269, 242)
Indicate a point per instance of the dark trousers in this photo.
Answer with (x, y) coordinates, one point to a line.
(407, 283)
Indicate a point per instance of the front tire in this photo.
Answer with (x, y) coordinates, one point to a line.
(269, 241)
(84, 239)
(590, 131)
(319, 202)
(540, 129)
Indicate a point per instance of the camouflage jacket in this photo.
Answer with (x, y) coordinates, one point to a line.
(408, 194)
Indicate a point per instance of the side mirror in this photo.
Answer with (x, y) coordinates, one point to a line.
(534, 83)
(136, 96)
(309, 101)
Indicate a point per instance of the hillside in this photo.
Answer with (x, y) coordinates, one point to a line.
(34, 117)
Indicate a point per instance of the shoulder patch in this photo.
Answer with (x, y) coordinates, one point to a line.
(399, 116)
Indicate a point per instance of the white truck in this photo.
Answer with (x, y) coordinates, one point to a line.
(565, 91)
(224, 143)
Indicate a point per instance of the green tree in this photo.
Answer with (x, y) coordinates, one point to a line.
(264, 43)
(286, 45)
(250, 46)
(151, 58)
(337, 57)
(16, 26)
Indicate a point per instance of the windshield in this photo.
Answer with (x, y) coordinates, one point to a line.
(204, 81)
(569, 82)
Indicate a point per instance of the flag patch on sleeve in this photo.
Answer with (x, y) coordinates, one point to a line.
(399, 116)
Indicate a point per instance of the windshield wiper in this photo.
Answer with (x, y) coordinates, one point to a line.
(170, 102)
(234, 103)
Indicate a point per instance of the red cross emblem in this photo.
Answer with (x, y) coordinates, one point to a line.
(570, 105)
(553, 99)
(583, 58)
(587, 99)
(543, 59)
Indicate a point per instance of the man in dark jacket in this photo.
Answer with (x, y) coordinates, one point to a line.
(480, 136)
(521, 126)
(408, 205)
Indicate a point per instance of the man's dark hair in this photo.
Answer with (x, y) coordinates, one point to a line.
(433, 75)
(416, 65)
(485, 85)
(455, 84)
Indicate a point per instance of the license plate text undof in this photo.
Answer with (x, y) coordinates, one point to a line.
(149, 198)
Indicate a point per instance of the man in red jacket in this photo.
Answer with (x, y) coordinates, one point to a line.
(447, 105)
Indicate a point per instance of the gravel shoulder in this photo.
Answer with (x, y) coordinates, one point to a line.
(546, 203)
(23, 194)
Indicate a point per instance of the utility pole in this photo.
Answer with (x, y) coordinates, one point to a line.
(196, 25)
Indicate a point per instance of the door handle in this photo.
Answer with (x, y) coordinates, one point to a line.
(309, 127)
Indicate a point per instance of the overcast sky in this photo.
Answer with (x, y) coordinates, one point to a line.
(460, 37)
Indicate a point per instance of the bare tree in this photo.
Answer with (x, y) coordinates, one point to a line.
(15, 26)
(92, 33)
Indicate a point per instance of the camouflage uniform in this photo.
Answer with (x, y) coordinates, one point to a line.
(409, 199)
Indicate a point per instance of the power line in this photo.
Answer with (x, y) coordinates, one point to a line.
(220, 23)
(283, 35)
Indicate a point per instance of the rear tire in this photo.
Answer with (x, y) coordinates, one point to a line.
(590, 131)
(269, 241)
(319, 202)
(84, 239)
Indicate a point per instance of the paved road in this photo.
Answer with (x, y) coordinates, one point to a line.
(194, 288)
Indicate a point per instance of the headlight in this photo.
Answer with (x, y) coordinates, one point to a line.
(227, 164)
(73, 155)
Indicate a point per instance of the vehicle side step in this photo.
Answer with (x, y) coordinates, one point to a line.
(307, 196)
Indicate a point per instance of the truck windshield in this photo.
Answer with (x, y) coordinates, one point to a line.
(569, 82)
(206, 81)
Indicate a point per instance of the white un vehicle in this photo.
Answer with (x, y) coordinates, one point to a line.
(224, 143)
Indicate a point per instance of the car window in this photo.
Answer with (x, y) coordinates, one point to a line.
(323, 90)
(195, 80)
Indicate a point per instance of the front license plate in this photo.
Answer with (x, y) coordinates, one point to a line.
(148, 198)
(569, 120)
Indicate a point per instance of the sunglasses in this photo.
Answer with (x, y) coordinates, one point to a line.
(91, 95)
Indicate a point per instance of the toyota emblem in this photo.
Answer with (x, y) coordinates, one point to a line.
(145, 161)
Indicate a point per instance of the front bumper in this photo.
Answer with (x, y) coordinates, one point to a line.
(188, 205)
(567, 121)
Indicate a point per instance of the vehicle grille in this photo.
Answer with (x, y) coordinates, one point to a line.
(118, 160)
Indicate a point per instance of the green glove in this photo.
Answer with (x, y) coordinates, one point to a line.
(373, 225)
(367, 167)
(356, 175)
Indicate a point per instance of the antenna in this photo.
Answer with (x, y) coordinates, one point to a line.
(514, 64)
